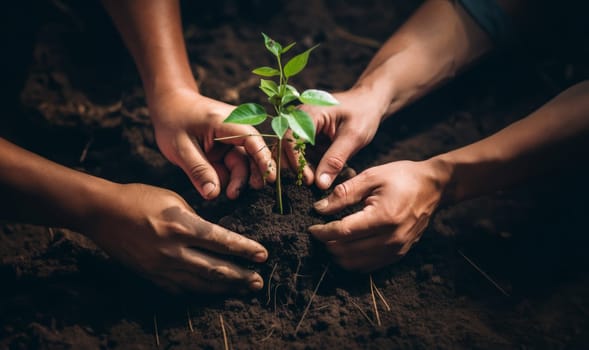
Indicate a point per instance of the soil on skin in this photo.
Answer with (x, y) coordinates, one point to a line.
(82, 105)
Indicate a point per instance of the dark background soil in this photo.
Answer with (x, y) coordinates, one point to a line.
(81, 104)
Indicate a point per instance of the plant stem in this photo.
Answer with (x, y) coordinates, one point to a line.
(245, 135)
(278, 179)
(281, 72)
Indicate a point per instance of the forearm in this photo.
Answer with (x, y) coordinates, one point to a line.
(152, 31)
(555, 135)
(39, 191)
(437, 41)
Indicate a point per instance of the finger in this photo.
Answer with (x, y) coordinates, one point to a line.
(367, 263)
(346, 174)
(345, 194)
(220, 272)
(237, 165)
(256, 148)
(256, 179)
(284, 163)
(355, 226)
(364, 247)
(222, 173)
(189, 281)
(334, 160)
(203, 286)
(288, 148)
(179, 281)
(203, 234)
(308, 175)
(196, 166)
(370, 253)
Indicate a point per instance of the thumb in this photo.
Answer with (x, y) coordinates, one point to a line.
(334, 160)
(201, 173)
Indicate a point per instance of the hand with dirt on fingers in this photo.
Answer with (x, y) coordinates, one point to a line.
(399, 199)
(157, 233)
(186, 125)
(350, 126)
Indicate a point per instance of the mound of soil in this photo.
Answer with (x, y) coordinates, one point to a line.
(82, 105)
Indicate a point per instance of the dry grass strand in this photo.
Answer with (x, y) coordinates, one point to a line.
(268, 336)
(189, 321)
(363, 313)
(157, 335)
(381, 297)
(225, 339)
(375, 306)
(270, 283)
(311, 299)
(484, 274)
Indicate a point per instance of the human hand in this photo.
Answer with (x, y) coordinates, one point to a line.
(154, 231)
(186, 125)
(350, 125)
(399, 199)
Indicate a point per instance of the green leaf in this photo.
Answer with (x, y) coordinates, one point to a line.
(318, 98)
(266, 71)
(302, 124)
(274, 100)
(288, 47)
(290, 94)
(247, 113)
(269, 87)
(297, 63)
(272, 45)
(280, 125)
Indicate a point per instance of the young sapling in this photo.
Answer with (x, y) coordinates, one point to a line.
(283, 97)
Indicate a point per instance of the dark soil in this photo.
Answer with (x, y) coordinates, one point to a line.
(82, 105)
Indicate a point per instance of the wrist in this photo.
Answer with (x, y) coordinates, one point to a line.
(157, 93)
(441, 169)
(162, 102)
(378, 95)
(101, 201)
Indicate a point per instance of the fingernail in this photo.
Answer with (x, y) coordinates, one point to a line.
(324, 179)
(260, 257)
(208, 188)
(322, 204)
(257, 284)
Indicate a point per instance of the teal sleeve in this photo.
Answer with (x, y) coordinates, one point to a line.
(492, 19)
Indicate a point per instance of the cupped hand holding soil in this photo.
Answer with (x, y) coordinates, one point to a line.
(399, 200)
